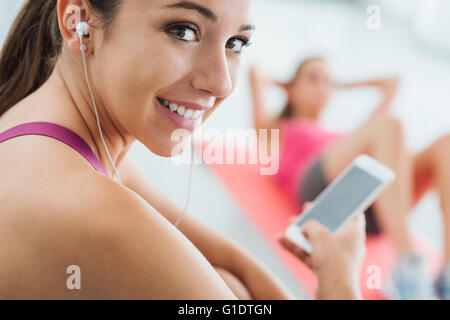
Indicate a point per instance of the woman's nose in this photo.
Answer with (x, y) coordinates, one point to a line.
(214, 75)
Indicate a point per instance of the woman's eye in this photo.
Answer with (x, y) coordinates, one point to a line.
(184, 33)
(237, 44)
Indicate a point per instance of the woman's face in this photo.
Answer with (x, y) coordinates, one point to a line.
(312, 88)
(169, 52)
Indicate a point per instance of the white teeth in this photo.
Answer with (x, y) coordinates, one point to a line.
(173, 107)
(182, 111)
(188, 114)
(197, 114)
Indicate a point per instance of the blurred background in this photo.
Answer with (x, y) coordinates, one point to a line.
(413, 42)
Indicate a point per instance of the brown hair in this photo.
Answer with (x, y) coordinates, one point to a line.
(287, 110)
(33, 46)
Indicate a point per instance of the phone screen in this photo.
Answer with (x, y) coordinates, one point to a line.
(336, 203)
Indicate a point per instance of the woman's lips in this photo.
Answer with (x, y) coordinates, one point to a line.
(182, 117)
(187, 105)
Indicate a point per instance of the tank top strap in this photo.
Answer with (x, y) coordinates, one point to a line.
(58, 132)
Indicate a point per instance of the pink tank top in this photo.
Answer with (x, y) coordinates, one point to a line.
(302, 142)
(57, 132)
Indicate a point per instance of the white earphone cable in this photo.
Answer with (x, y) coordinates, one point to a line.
(188, 196)
(95, 108)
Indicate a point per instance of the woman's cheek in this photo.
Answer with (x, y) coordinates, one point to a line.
(211, 111)
(175, 61)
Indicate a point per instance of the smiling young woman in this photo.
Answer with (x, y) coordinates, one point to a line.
(155, 66)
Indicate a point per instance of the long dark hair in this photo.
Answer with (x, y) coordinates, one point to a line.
(34, 44)
(288, 111)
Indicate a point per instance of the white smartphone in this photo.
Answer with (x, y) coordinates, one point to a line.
(351, 193)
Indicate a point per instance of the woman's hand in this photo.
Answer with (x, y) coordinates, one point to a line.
(335, 259)
(389, 85)
(256, 74)
(259, 83)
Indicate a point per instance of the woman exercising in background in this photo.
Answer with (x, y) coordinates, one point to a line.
(311, 157)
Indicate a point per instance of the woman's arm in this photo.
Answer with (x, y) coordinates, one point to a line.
(122, 246)
(388, 86)
(259, 82)
(219, 251)
(137, 254)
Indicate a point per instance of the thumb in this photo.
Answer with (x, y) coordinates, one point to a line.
(316, 233)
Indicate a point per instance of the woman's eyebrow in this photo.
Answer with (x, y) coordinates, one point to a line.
(193, 6)
(207, 13)
(247, 27)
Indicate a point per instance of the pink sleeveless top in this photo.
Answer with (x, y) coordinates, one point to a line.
(302, 143)
(58, 132)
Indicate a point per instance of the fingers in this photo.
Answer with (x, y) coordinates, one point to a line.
(353, 235)
(291, 246)
(319, 237)
(294, 249)
(360, 221)
(313, 230)
(354, 228)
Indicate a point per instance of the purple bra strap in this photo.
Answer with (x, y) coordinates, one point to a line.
(58, 132)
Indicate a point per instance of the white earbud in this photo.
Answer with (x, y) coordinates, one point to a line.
(82, 29)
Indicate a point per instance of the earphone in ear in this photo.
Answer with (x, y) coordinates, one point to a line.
(82, 29)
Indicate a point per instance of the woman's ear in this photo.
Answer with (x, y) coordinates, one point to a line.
(70, 13)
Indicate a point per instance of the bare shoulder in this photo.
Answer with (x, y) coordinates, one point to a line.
(142, 255)
(122, 247)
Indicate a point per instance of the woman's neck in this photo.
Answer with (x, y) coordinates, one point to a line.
(305, 113)
(64, 99)
(73, 92)
(305, 116)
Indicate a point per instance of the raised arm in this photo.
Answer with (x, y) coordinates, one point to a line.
(259, 83)
(387, 86)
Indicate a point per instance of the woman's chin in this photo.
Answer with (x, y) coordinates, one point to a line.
(168, 150)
